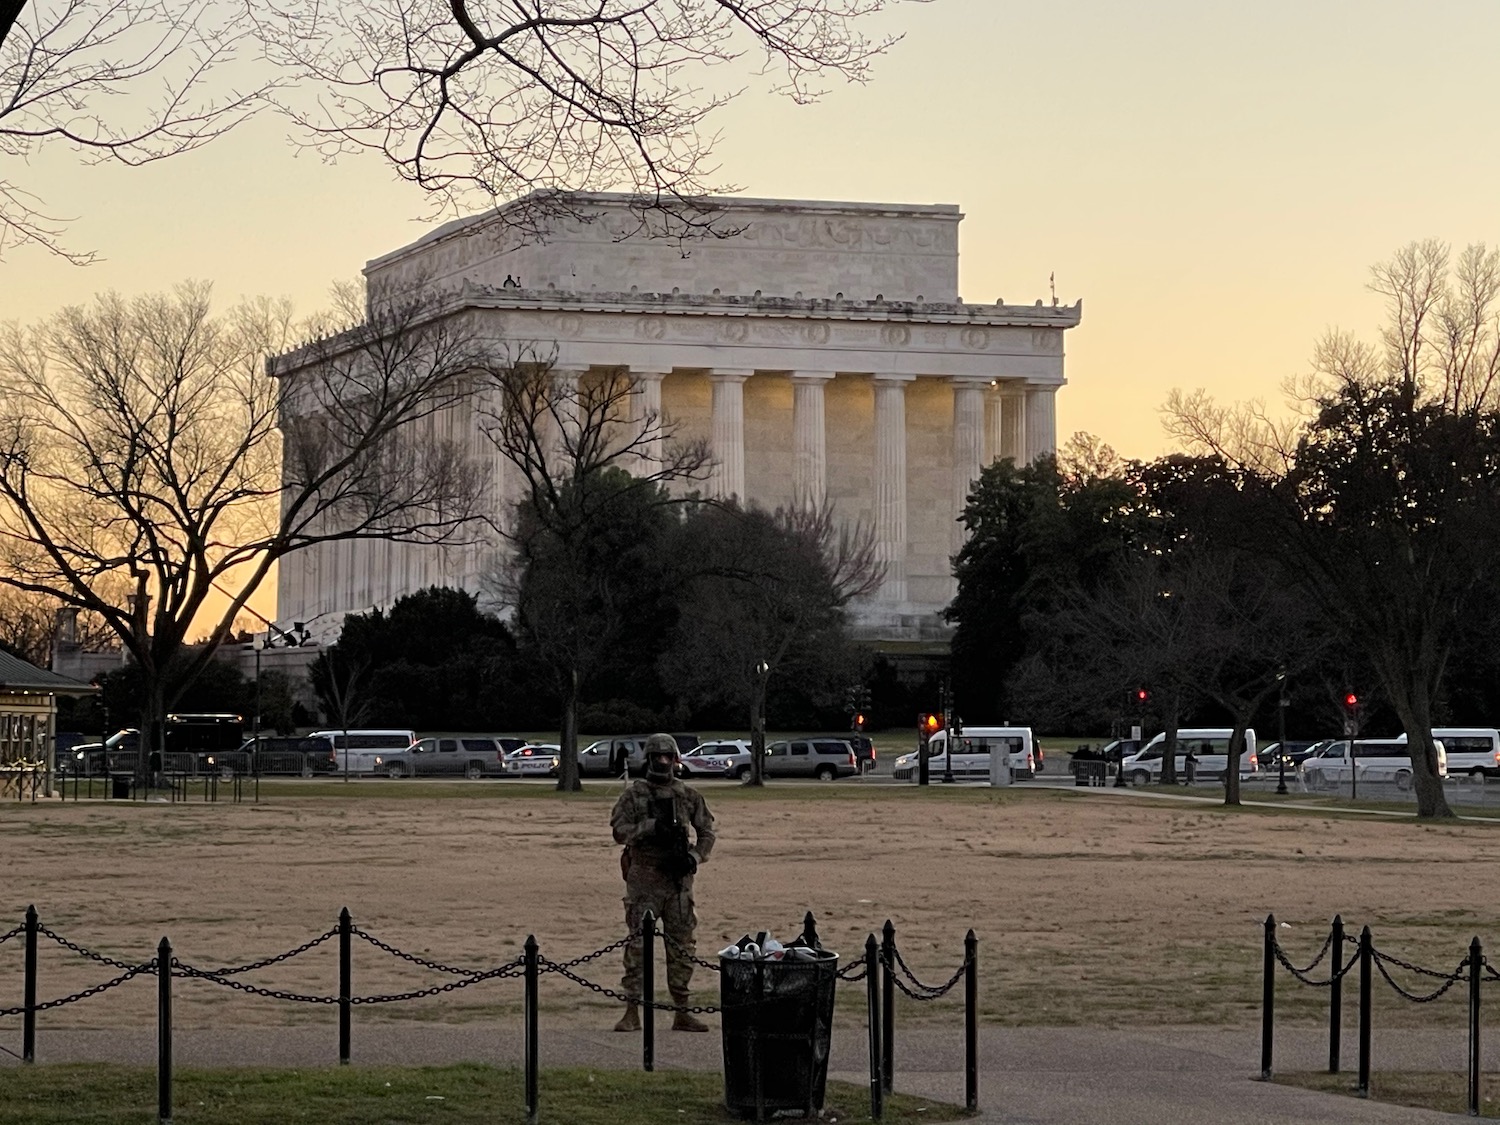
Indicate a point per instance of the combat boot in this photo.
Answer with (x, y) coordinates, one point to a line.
(685, 1021)
(631, 1020)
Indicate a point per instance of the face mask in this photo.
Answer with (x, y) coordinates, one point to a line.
(659, 767)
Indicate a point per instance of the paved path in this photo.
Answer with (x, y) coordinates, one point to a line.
(1028, 1076)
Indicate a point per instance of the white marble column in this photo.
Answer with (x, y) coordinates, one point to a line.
(890, 483)
(1041, 421)
(994, 423)
(565, 389)
(1013, 421)
(728, 432)
(646, 411)
(809, 438)
(968, 444)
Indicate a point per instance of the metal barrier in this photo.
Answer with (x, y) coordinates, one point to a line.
(882, 968)
(1474, 968)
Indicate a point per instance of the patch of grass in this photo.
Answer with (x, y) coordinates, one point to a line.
(468, 1094)
(1445, 1092)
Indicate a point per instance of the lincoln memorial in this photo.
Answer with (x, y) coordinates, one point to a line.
(823, 350)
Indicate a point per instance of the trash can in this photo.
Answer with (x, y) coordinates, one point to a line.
(119, 786)
(777, 1021)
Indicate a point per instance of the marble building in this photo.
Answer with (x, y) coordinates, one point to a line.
(823, 350)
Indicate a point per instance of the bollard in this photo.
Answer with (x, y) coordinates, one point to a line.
(28, 991)
(888, 1006)
(164, 1032)
(1476, 960)
(648, 991)
(1335, 993)
(1267, 997)
(346, 981)
(532, 977)
(971, 1022)
(872, 999)
(1366, 956)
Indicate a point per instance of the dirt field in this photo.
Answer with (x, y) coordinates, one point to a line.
(1090, 908)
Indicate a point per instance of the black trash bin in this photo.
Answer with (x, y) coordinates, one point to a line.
(778, 1023)
(119, 786)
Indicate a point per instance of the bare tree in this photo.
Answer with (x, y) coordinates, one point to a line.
(588, 456)
(132, 81)
(29, 623)
(143, 446)
(767, 601)
(479, 104)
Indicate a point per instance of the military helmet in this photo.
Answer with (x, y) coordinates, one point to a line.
(662, 744)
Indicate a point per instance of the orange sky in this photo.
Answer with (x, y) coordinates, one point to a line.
(1213, 179)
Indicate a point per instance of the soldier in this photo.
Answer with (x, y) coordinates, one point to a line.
(651, 819)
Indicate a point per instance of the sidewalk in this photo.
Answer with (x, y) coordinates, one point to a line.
(1028, 1076)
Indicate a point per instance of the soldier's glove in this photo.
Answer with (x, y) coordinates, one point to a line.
(679, 865)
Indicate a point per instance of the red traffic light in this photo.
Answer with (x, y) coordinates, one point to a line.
(930, 724)
(859, 722)
(1142, 695)
(1351, 700)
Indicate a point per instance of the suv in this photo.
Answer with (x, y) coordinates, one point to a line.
(472, 757)
(295, 757)
(822, 758)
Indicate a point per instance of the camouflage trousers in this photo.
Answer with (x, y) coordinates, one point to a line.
(673, 907)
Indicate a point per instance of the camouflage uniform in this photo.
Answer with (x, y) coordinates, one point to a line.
(647, 887)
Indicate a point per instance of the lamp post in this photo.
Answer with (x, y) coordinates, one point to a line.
(758, 727)
(1281, 733)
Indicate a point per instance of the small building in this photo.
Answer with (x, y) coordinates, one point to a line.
(28, 717)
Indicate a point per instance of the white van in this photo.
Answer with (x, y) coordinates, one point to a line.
(1210, 745)
(1377, 759)
(972, 757)
(1471, 750)
(366, 748)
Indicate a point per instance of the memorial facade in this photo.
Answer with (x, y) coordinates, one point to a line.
(823, 350)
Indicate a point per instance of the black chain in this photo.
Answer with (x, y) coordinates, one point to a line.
(1311, 965)
(131, 971)
(1448, 979)
(81, 951)
(512, 970)
(287, 956)
(5, 937)
(935, 991)
(594, 956)
(1379, 956)
(426, 963)
(1303, 974)
(669, 940)
(854, 971)
(549, 966)
(182, 969)
(1489, 970)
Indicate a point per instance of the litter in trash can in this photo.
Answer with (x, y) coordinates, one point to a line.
(777, 1016)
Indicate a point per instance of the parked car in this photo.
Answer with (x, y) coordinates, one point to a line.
(972, 758)
(822, 758)
(608, 757)
(534, 760)
(1386, 760)
(1471, 750)
(472, 757)
(363, 751)
(1209, 745)
(271, 755)
(728, 759)
(1120, 749)
(1295, 752)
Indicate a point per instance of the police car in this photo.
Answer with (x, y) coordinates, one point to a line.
(534, 760)
(730, 758)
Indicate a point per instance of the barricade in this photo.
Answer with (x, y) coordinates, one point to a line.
(1474, 968)
(882, 968)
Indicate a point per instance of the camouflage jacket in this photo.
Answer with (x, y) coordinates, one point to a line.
(634, 827)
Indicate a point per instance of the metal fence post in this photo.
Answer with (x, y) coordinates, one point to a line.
(648, 991)
(1366, 956)
(1335, 993)
(888, 1006)
(28, 991)
(532, 977)
(971, 1021)
(164, 1032)
(1268, 997)
(872, 998)
(346, 981)
(1476, 959)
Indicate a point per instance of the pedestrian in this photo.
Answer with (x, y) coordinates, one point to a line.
(1190, 767)
(651, 819)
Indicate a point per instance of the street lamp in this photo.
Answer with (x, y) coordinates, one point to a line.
(1281, 733)
(758, 731)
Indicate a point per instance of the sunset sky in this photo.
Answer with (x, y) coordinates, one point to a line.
(1213, 179)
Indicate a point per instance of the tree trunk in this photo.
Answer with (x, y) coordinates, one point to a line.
(152, 736)
(1235, 750)
(568, 780)
(758, 734)
(1415, 713)
(1169, 744)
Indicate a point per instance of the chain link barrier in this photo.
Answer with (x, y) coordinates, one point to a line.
(671, 942)
(131, 971)
(547, 965)
(5, 937)
(276, 960)
(415, 959)
(918, 990)
(81, 951)
(1448, 979)
(1304, 976)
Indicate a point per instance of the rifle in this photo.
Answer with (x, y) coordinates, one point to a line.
(672, 833)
